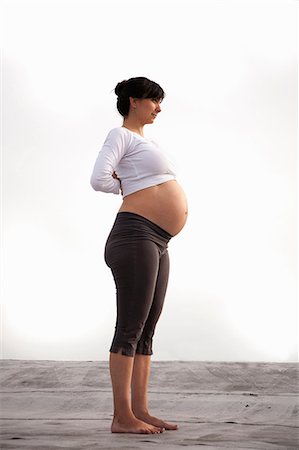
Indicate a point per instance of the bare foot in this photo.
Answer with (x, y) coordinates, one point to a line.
(134, 425)
(156, 422)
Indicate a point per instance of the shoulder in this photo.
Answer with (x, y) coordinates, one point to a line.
(120, 134)
(118, 131)
(119, 138)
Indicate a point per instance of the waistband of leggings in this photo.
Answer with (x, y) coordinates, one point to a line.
(124, 215)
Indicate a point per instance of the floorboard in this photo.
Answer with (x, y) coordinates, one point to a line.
(48, 405)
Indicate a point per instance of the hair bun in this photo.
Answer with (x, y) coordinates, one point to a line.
(120, 87)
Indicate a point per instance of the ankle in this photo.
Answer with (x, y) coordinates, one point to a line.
(140, 412)
(123, 416)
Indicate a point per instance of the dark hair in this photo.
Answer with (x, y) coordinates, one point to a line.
(138, 87)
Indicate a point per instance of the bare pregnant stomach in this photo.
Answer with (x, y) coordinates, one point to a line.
(164, 204)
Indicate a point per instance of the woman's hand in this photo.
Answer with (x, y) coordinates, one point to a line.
(116, 177)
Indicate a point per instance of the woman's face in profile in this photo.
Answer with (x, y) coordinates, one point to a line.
(147, 109)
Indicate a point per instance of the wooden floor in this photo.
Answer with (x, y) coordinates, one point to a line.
(49, 405)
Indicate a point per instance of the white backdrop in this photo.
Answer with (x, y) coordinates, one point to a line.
(228, 120)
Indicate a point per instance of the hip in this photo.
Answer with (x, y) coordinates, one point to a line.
(130, 231)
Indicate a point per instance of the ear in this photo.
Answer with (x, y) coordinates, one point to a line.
(133, 103)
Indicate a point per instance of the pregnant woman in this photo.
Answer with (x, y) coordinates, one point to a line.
(154, 209)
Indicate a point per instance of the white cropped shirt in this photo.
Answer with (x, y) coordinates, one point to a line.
(137, 161)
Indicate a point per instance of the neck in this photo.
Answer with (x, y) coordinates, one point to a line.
(133, 126)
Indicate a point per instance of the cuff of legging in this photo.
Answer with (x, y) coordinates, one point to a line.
(144, 348)
(127, 350)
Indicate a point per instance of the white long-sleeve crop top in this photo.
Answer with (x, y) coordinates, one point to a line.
(137, 161)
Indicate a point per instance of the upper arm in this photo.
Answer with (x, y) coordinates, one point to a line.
(112, 151)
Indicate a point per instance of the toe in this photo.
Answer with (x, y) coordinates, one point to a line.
(170, 426)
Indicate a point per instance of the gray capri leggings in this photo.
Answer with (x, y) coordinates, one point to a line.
(136, 252)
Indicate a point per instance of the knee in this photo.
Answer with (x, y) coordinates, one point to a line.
(126, 340)
(132, 341)
(144, 346)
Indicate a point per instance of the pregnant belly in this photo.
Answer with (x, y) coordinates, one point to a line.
(164, 204)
